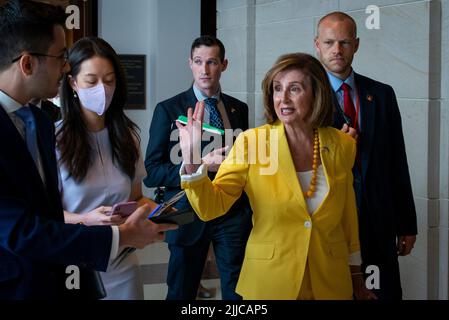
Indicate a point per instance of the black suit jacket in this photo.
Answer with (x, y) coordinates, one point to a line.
(52, 110)
(163, 172)
(387, 208)
(35, 243)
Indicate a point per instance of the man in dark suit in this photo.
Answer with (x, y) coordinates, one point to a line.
(35, 243)
(190, 243)
(368, 110)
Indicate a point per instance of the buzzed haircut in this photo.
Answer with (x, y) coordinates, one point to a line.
(27, 26)
(338, 16)
(208, 41)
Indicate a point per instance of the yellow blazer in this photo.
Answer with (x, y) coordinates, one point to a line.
(284, 236)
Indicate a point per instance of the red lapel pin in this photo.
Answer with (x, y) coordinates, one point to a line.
(369, 97)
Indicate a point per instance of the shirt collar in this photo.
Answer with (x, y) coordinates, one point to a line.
(9, 104)
(337, 82)
(200, 96)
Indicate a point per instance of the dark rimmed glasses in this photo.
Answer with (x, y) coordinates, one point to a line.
(64, 56)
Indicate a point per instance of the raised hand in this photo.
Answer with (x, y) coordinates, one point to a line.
(190, 137)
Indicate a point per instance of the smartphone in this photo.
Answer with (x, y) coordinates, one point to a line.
(123, 208)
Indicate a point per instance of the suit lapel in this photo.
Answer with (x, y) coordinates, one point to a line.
(338, 120)
(367, 115)
(328, 158)
(190, 100)
(286, 166)
(46, 149)
(231, 112)
(19, 160)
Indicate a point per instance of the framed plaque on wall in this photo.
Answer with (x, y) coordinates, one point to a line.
(134, 67)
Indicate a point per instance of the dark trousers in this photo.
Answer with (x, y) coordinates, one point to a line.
(390, 280)
(186, 263)
(380, 253)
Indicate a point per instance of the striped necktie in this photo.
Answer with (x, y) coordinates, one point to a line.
(215, 117)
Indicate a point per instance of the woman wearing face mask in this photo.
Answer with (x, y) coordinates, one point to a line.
(98, 152)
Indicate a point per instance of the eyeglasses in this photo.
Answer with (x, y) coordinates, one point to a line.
(64, 56)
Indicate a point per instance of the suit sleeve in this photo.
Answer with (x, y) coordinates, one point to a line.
(161, 171)
(349, 220)
(403, 196)
(38, 232)
(27, 234)
(211, 200)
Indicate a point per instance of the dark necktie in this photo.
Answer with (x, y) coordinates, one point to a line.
(349, 108)
(215, 117)
(27, 117)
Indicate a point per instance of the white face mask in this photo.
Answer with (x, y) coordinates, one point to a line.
(96, 99)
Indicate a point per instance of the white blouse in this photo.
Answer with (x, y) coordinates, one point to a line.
(104, 185)
(321, 188)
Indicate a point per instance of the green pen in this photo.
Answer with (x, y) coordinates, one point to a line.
(206, 127)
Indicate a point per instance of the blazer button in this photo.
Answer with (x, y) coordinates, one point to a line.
(308, 224)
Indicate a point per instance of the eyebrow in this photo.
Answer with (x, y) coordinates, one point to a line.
(197, 57)
(94, 75)
(293, 82)
(330, 39)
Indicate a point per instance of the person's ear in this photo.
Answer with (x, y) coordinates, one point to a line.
(72, 82)
(26, 64)
(224, 65)
(357, 42)
(316, 44)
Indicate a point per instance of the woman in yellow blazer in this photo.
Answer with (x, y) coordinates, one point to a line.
(297, 174)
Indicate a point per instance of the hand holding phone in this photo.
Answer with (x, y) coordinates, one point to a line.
(123, 208)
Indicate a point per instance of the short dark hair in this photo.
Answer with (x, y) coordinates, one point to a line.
(322, 104)
(208, 41)
(73, 139)
(27, 26)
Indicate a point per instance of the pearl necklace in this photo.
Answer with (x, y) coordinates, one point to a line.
(316, 156)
